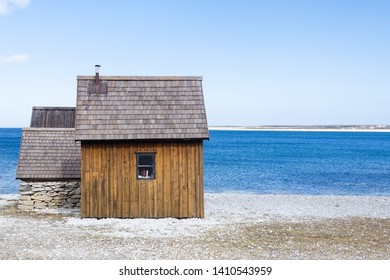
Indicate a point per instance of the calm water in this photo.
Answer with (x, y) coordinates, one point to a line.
(298, 162)
(271, 162)
(9, 149)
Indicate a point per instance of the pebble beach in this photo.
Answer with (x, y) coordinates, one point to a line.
(236, 226)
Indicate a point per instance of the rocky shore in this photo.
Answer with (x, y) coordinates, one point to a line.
(237, 226)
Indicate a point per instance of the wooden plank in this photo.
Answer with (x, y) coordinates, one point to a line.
(151, 186)
(98, 171)
(116, 187)
(114, 183)
(148, 190)
(95, 174)
(197, 181)
(191, 180)
(120, 189)
(171, 181)
(186, 180)
(126, 182)
(134, 186)
(143, 191)
(201, 182)
(195, 170)
(189, 171)
(183, 187)
(152, 190)
(175, 211)
(109, 180)
(49, 117)
(143, 202)
(116, 206)
(159, 181)
(179, 179)
(84, 186)
(103, 179)
(113, 180)
(89, 181)
(166, 183)
(102, 183)
(82, 198)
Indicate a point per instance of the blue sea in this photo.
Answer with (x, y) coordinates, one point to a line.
(315, 163)
(270, 162)
(9, 150)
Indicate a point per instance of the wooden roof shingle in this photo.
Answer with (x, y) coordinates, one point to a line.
(53, 117)
(141, 108)
(49, 154)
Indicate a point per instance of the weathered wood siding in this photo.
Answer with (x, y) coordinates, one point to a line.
(110, 188)
(56, 117)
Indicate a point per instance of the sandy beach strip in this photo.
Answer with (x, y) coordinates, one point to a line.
(236, 226)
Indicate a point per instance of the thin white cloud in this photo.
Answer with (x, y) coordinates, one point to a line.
(7, 6)
(16, 58)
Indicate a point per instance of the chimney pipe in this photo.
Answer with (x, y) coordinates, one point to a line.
(97, 74)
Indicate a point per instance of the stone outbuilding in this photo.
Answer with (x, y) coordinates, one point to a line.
(49, 160)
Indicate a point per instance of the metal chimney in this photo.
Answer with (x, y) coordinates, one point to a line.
(97, 86)
(97, 74)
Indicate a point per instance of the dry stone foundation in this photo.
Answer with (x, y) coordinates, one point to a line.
(40, 195)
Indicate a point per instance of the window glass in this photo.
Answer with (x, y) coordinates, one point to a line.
(145, 160)
(146, 166)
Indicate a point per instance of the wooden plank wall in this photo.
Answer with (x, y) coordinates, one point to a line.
(53, 117)
(109, 185)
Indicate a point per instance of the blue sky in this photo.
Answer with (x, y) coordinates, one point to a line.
(262, 62)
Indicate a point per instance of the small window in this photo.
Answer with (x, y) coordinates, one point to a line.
(146, 166)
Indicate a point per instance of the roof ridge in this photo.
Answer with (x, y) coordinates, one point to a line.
(53, 108)
(143, 78)
(49, 128)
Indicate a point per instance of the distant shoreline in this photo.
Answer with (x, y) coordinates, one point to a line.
(314, 128)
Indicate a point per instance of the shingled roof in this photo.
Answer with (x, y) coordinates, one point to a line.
(53, 117)
(140, 108)
(49, 154)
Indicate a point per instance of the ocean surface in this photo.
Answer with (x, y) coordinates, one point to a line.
(316, 163)
(270, 162)
(9, 150)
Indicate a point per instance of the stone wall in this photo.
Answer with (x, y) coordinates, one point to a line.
(40, 195)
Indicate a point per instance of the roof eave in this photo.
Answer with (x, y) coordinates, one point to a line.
(144, 139)
(42, 179)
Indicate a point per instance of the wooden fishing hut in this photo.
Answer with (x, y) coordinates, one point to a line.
(141, 146)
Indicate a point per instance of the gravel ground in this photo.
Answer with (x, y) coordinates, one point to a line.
(236, 226)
